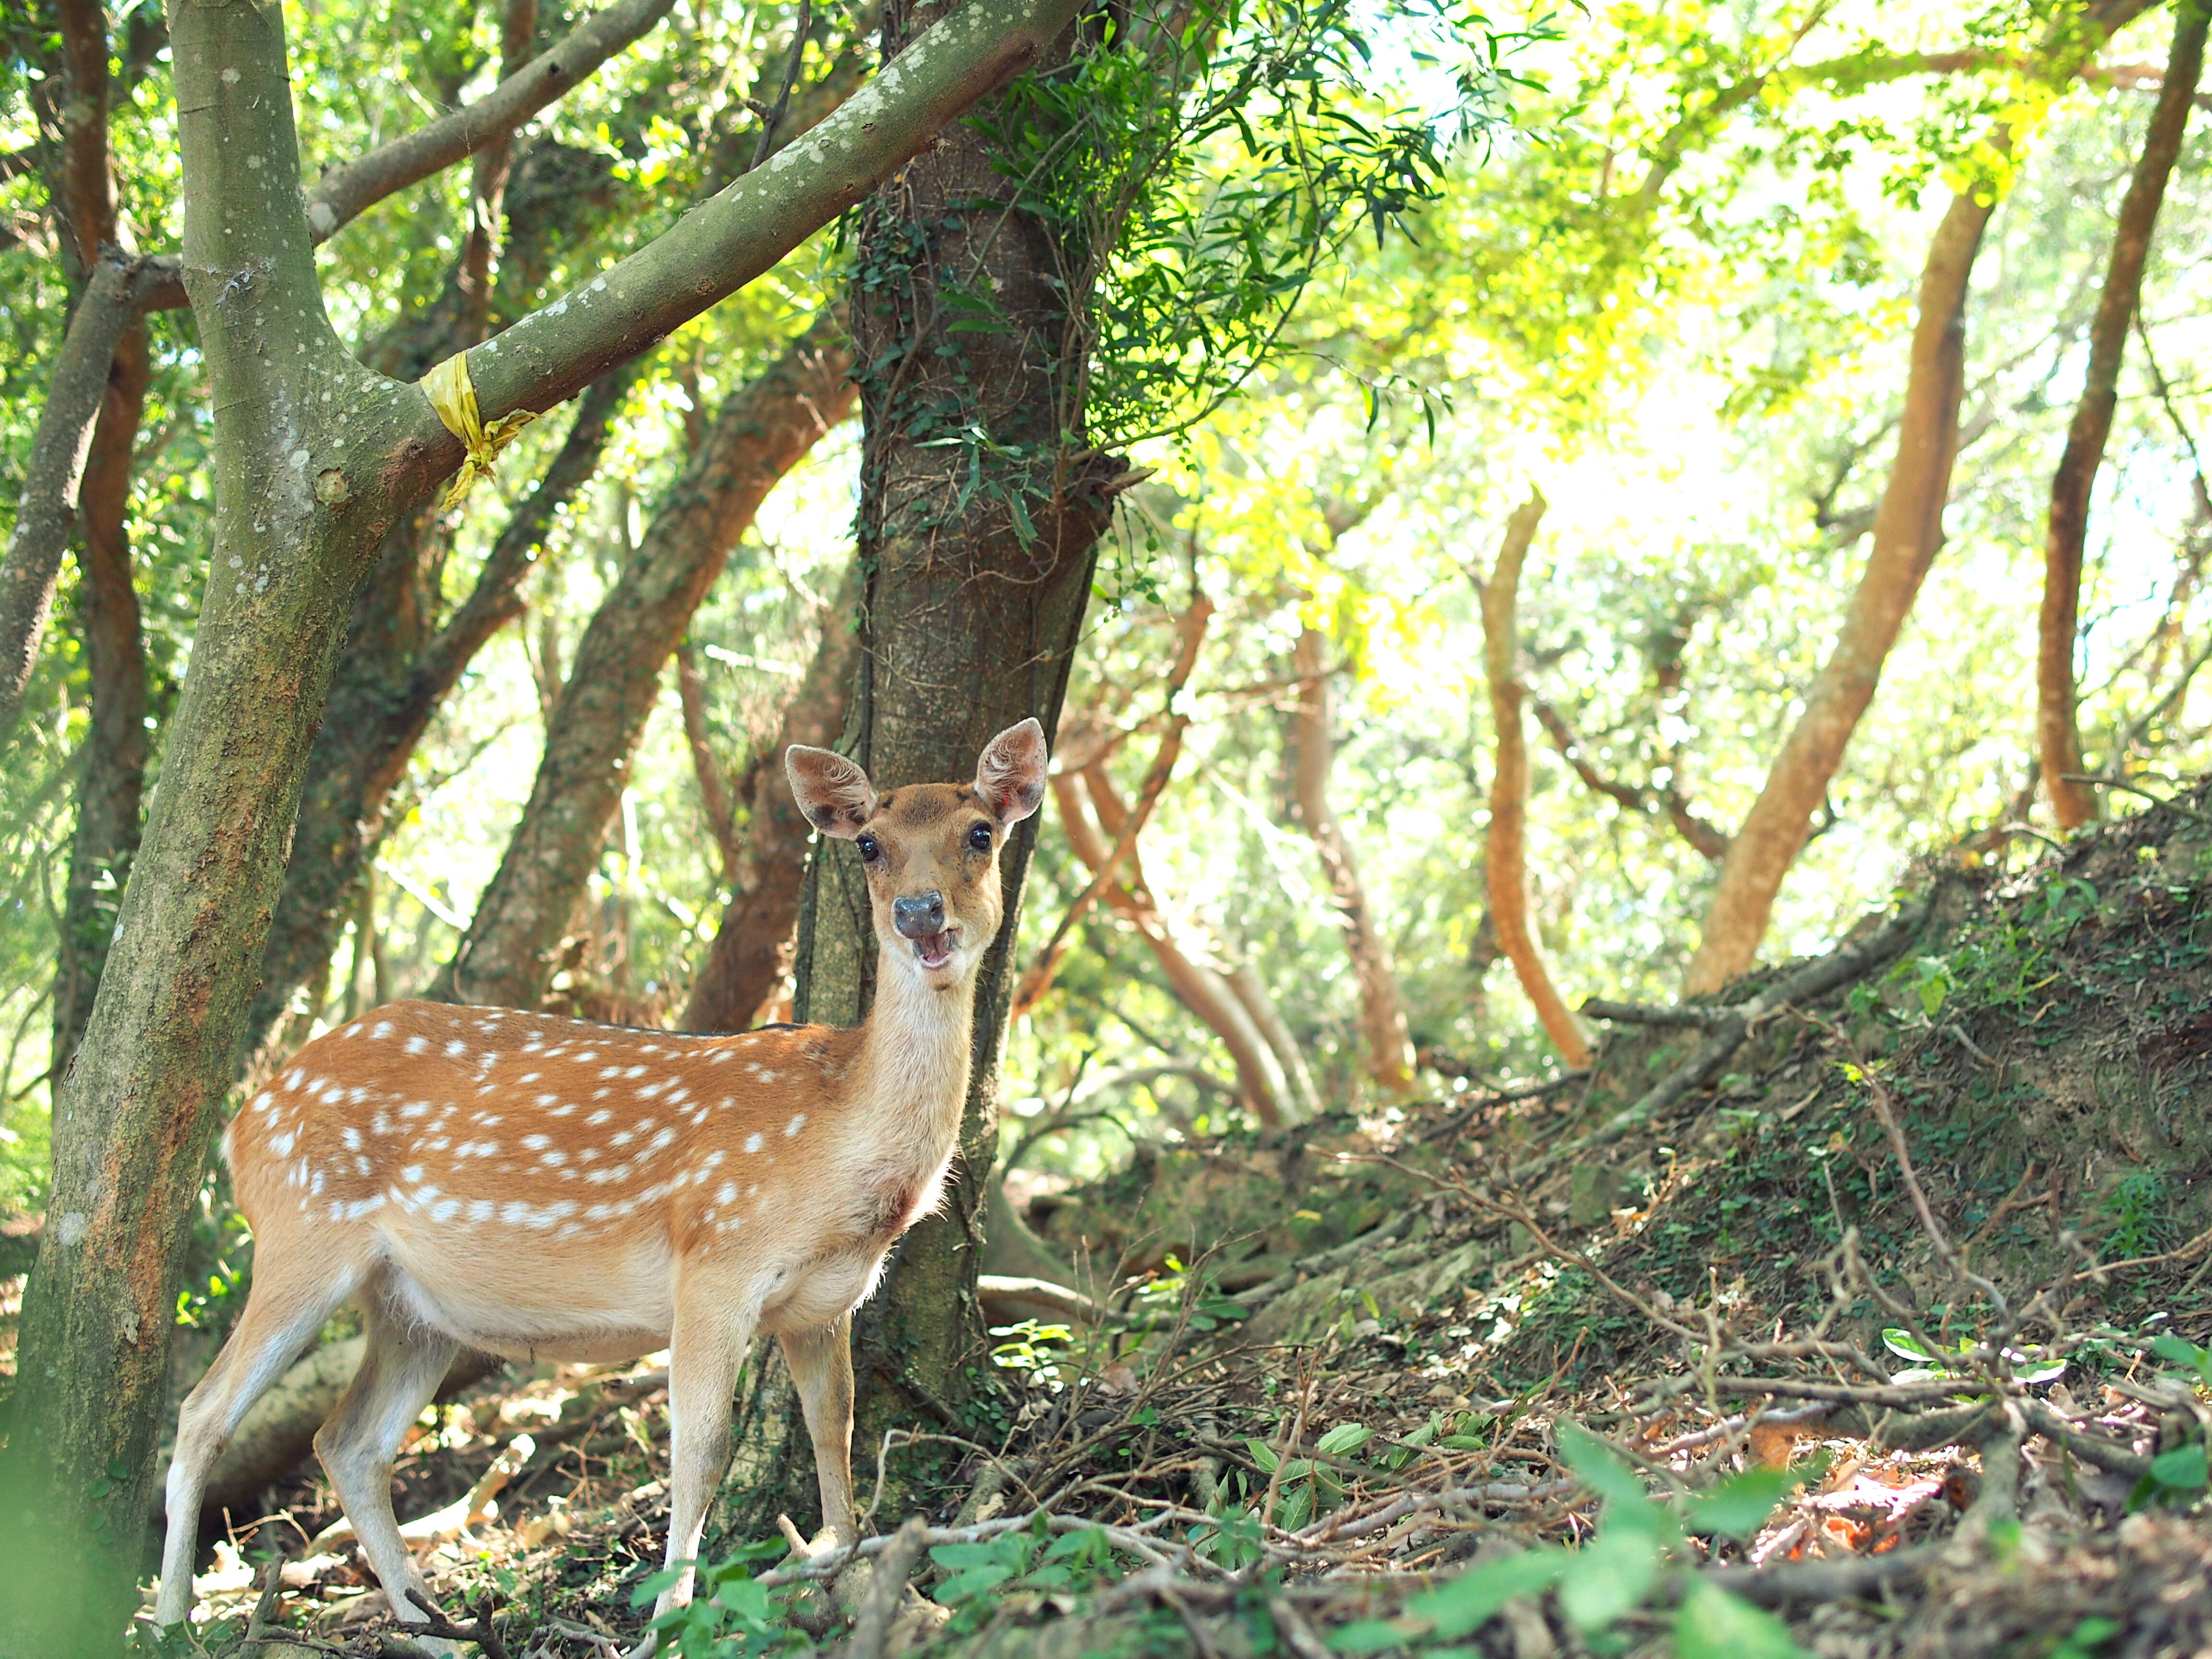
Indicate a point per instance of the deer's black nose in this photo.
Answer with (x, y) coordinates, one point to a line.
(919, 918)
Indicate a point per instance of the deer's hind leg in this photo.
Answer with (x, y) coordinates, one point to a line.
(292, 1298)
(402, 1365)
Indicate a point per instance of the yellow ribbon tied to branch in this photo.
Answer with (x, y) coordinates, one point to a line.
(454, 395)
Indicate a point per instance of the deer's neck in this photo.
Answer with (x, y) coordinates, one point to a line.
(914, 1054)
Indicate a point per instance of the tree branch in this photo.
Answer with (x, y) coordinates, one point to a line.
(1191, 630)
(736, 234)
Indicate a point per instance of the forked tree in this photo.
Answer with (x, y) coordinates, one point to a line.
(315, 455)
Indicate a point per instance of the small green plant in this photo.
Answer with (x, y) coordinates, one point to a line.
(1039, 1351)
(2176, 1480)
(1030, 1558)
(1179, 1293)
(2087, 1637)
(731, 1615)
(1633, 1554)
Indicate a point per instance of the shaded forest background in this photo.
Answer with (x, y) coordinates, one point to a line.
(1514, 441)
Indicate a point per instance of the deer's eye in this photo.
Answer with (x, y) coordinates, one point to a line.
(871, 849)
(980, 838)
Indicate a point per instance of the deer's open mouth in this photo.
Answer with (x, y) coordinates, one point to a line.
(935, 950)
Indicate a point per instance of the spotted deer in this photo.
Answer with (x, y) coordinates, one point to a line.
(542, 1188)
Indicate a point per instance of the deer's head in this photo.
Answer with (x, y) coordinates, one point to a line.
(930, 850)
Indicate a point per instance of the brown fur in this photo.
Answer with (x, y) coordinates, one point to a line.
(546, 1188)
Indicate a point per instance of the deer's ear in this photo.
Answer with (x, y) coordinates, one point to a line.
(835, 794)
(1010, 771)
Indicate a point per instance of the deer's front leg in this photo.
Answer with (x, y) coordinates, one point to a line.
(820, 1364)
(715, 1319)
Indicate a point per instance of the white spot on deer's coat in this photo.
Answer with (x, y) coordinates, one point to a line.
(282, 1145)
(457, 1047)
(480, 1210)
(412, 1172)
(797, 1123)
(264, 1101)
(727, 1194)
(753, 1143)
(351, 1136)
(536, 1143)
(445, 1209)
(416, 1045)
(599, 1116)
(384, 1029)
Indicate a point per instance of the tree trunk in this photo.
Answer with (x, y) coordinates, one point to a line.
(769, 875)
(111, 793)
(1908, 530)
(314, 457)
(2058, 734)
(1505, 854)
(1381, 1009)
(977, 558)
(347, 191)
(759, 434)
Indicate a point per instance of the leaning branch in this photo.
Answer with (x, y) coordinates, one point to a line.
(733, 237)
(1190, 630)
(47, 506)
(1506, 866)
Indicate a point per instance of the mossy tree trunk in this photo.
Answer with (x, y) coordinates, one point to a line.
(977, 556)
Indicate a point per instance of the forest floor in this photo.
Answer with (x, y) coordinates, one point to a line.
(1889, 1337)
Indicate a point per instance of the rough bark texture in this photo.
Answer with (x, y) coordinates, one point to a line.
(111, 791)
(758, 436)
(113, 783)
(1261, 1081)
(135, 1117)
(381, 703)
(2058, 734)
(1908, 530)
(968, 622)
(746, 962)
(1381, 1009)
(313, 458)
(1505, 853)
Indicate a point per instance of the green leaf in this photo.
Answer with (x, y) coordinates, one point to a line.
(1714, 1625)
(1263, 1454)
(1344, 1439)
(1472, 1599)
(1903, 1343)
(1368, 1636)
(1601, 1468)
(1609, 1576)
(2182, 1469)
(1740, 1507)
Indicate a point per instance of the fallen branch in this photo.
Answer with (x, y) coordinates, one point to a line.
(1822, 1580)
(480, 1631)
(1817, 978)
(872, 1628)
(474, 1509)
(1013, 1293)
(1644, 1014)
